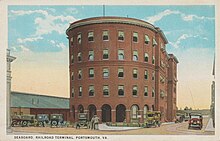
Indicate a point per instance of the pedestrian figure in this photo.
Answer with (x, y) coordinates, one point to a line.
(92, 123)
(96, 122)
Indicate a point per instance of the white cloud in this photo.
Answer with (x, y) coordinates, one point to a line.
(177, 43)
(28, 39)
(182, 37)
(61, 45)
(71, 10)
(48, 23)
(160, 15)
(185, 17)
(28, 12)
(19, 48)
(192, 17)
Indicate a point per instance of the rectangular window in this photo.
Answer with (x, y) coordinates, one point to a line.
(135, 73)
(146, 40)
(135, 55)
(80, 74)
(79, 56)
(154, 42)
(145, 91)
(72, 59)
(71, 41)
(120, 54)
(135, 91)
(90, 36)
(72, 76)
(72, 93)
(120, 72)
(105, 90)
(146, 57)
(121, 90)
(121, 35)
(153, 92)
(145, 74)
(105, 35)
(153, 60)
(135, 37)
(80, 90)
(153, 76)
(105, 73)
(105, 54)
(91, 73)
(91, 90)
(91, 55)
(79, 39)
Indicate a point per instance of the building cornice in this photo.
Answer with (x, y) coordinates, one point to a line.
(116, 20)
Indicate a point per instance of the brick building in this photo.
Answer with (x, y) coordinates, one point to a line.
(119, 69)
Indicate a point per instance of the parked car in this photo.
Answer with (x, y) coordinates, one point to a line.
(82, 120)
(42, 119)
(153, 118)
(179, 118)
(195, 121)
(56, 120)
(24, 120)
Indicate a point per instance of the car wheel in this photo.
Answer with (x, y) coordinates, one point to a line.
(40, 123)
(25, 123)
(54, 123)
(13, 123)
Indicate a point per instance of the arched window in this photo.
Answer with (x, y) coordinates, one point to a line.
(146, 108)
(134, 111)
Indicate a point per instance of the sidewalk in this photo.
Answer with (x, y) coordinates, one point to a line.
(104, 127)
(209, 126)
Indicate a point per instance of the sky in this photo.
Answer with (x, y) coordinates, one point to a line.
(36, 37)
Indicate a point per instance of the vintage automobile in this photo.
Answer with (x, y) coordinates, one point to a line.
(82, 120)
(153, 118)
(42, 119)
(195, 121)
(24, 120)
(179, 118)
(56, 120)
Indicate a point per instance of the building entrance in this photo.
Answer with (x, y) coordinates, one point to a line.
(120, 113)
(106, 113)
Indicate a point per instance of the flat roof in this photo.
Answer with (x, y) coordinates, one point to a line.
(29, 100)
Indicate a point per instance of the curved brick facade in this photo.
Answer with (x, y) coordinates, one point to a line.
(119, 69)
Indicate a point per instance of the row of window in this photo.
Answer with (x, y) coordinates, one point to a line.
(105, 91)
(105, 56)
(105, 37)
(105, 73)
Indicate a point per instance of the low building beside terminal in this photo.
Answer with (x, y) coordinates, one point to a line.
(27, 103)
